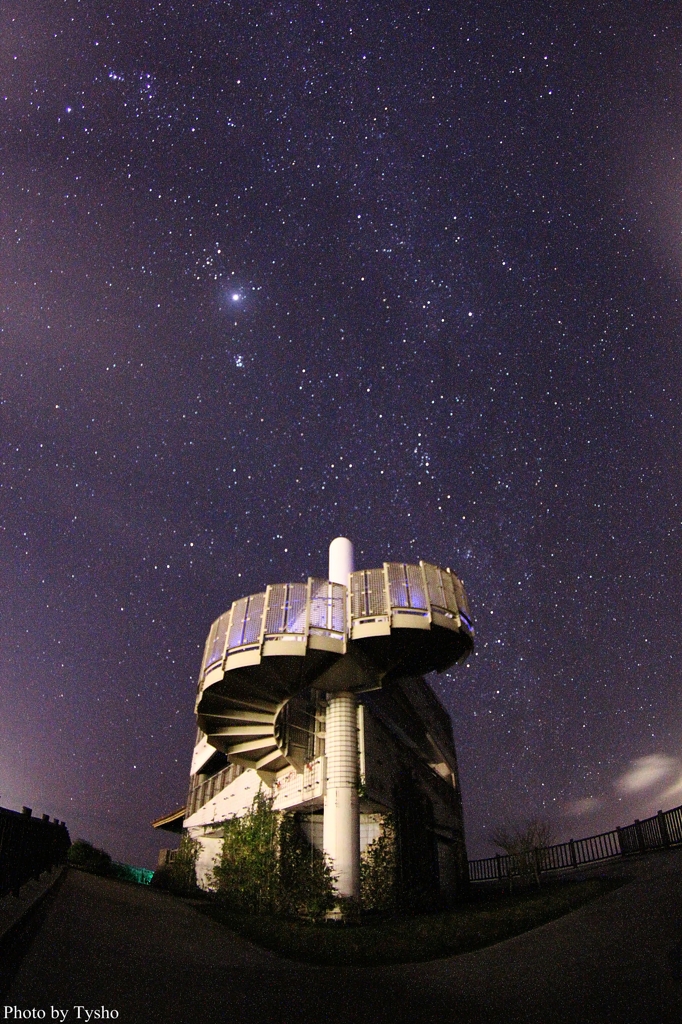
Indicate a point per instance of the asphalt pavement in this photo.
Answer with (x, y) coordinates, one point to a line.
(137, 955)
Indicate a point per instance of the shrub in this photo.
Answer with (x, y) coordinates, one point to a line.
(267, 866)
(247, 873)
(306, 883)
(129, 873)
(87, 857)
(378, 870)
(180, 875)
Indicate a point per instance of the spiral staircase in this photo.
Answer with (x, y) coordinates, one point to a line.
(393, 621)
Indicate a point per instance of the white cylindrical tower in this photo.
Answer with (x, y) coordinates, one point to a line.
(341, 835)
(341, 560)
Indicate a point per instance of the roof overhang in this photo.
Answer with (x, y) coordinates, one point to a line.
(171, 822)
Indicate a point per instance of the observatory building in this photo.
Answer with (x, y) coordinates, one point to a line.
(314, 692)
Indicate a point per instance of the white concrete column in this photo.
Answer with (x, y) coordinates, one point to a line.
(341, 837)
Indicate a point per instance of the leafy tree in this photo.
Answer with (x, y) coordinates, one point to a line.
(246, 876)
(183, 868)
(522, 844)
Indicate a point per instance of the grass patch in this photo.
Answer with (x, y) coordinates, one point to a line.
(479, 922)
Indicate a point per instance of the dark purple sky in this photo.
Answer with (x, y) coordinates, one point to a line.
(276, 272)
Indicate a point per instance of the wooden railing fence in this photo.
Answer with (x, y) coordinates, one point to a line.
(29, 846)
(657, 833)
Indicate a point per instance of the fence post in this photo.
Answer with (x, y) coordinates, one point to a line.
(620, 841)
(639, 834)
(574, 860)
(663, 829)
(499, 866)
(23, 846)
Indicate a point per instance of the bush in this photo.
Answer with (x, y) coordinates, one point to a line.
(161, 879)
(268, 866)
(85, 856)
(180, 876)
(306, 884)
(129, 873)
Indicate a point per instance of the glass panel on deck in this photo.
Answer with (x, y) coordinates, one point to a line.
(236, 634)
(338, 608)
(319, 604)
(415, 583)
(376, 592)
(434, 584)
(274, 620)
(217, 645)
(462, 603)
(357, 595)
(449, 591)
(397, 585)
(254, 618)
(296, 610)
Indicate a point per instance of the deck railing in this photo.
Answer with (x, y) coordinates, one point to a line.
(29, 846)
(656, 833)
(205, 791)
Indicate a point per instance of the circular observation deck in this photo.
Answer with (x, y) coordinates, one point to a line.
(390, 622)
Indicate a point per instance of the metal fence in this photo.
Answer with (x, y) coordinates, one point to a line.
(29, 846)
(657, 833)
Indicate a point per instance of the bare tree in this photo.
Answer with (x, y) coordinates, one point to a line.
(522, 844)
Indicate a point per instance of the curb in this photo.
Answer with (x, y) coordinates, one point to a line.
(20, 927)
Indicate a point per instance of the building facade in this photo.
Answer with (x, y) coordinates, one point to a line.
(407, 767)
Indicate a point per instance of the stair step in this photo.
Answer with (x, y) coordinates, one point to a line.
(264, 744)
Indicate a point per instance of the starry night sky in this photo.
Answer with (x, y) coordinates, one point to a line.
(275, 272)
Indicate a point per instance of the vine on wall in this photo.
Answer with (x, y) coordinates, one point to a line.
(378, 870)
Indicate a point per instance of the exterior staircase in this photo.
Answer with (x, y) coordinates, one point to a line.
(269, 647)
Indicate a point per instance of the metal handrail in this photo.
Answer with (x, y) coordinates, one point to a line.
(659, 832)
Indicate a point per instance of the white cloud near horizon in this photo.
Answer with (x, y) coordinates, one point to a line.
(585, 805)
(673, 792)
(647, 772)
(656, 777)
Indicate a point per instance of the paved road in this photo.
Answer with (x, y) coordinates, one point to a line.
(152, 958)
